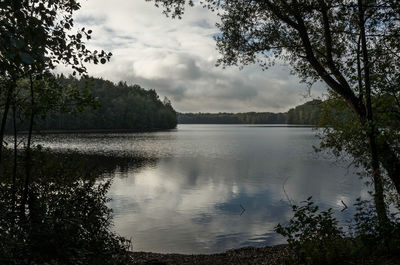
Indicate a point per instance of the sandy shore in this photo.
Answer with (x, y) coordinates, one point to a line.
(248, 255)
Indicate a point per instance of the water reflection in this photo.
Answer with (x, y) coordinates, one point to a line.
(59, 216)
(184, 190)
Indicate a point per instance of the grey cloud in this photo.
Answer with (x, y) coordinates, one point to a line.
(110, 39)
(176, 93)
(236, 89)
(130, 38)
(91, 20)
(108, 30)
(187, 68)
(203, 23)
(212, 90)
(177, 59)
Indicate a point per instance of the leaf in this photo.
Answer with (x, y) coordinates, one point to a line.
(26, 58)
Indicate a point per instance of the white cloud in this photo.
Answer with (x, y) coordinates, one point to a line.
(177, 59)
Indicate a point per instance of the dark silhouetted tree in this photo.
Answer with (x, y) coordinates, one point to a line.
(351, 46)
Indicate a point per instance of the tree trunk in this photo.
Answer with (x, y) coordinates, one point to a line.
(371, 128)
(14, 175)
(390, 162)
(379, 198)
(28, 158)
(4, 118)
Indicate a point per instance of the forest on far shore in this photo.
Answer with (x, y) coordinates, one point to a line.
(113, 107)
(308, 113)
(118, 106)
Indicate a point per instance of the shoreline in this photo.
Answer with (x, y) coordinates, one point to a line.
(246, 255)
(88, 131)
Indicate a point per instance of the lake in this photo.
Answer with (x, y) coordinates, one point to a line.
(209, 188)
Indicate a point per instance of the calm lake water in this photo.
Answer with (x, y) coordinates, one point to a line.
(183, 190)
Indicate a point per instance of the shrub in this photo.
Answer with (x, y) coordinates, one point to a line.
(313, 235)
(373, 240)
(66, 219)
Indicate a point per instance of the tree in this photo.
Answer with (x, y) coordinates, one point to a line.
(69, 220)
(307, 113)
(34, 38)
(62, 217)
(121, 107)
(350, 45)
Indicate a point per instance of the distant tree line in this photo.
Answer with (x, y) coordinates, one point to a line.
(232, 118)
(305, 114)
(308, 113)
(117, 107)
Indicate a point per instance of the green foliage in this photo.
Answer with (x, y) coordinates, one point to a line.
(342, 131)
(371, 237)
(50, 97)
(313, 235)
(115, 106)
(52, 212)
(231, 118)
(350, 46)
(35, 37)
(316, 237)
(67, 219)
(305, 114)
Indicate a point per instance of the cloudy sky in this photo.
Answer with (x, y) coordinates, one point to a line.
(177, 59)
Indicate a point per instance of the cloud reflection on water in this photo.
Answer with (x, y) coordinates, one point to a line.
(187, 197)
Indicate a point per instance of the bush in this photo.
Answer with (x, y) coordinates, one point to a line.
(371, 239)
(315, 237)
(66, 219)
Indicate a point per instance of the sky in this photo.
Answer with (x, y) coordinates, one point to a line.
(177, 58)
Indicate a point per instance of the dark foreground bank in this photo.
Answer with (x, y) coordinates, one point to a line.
(271, 255)
(248, 255)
